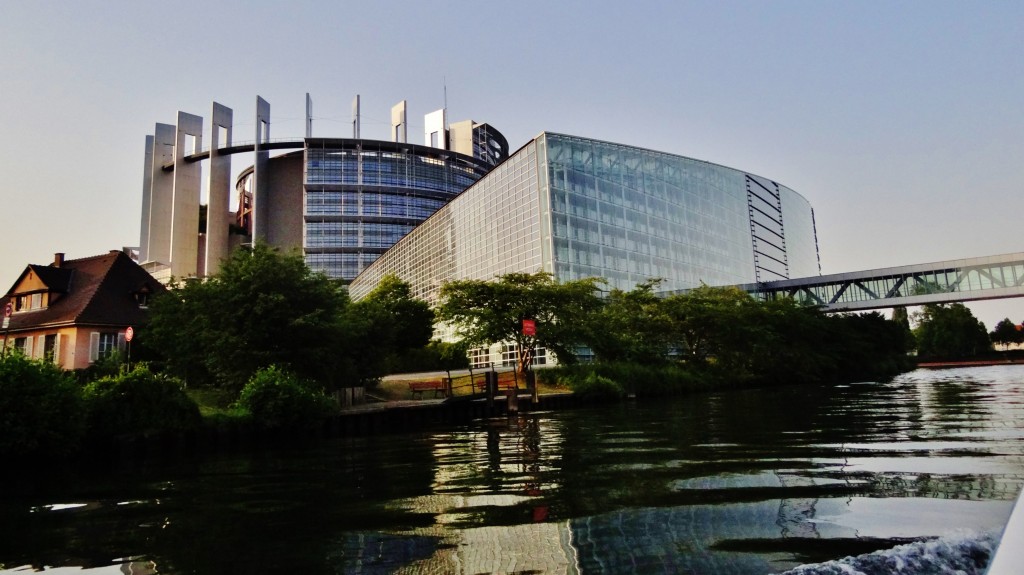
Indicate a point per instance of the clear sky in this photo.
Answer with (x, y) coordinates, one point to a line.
(901, 122)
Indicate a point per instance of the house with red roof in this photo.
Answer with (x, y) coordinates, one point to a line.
(74, 312)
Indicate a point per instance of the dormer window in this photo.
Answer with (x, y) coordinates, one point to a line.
(142, 296)
(28, 302)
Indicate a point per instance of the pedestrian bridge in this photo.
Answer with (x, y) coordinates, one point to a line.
(970, 279)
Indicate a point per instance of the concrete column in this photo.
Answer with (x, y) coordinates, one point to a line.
(147, 194)
(434, 133)
(260, 178)
(161, 196)
(185, 211)
(219, 185)
(309, 116)
(355, 117)
(399, 127)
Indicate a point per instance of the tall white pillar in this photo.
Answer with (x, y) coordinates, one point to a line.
(219, 186)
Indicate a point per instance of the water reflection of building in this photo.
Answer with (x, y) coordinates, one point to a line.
(504, 463)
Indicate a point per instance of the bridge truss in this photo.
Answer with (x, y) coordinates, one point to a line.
(980, 278)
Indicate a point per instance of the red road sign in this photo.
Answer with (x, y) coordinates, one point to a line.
(8, 309)
(529, 327)
(129, 333)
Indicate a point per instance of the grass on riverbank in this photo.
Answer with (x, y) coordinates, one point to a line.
(216, 403)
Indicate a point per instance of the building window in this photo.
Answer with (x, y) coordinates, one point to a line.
(102, 344)
(142, 297)
(29, 302)
(50, 348)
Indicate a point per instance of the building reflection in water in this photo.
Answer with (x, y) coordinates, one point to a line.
(688, 494)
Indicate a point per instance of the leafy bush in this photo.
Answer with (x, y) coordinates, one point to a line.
(596, 387)
(279, 400)
(138, 403)
(40, 409)
(106, 366)
(639, 379)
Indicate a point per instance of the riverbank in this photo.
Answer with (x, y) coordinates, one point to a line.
(388, 417)
(972, 363)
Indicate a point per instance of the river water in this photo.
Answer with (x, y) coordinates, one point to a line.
(757, 481)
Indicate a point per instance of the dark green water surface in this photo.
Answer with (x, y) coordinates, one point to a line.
(753, 481)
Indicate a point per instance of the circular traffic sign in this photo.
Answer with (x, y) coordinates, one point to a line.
(129, 333)
(8, 309)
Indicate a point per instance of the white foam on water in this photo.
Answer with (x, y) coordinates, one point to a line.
(963, 553)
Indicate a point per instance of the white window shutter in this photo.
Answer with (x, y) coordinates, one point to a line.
(120, 342)
(40, 347)
(56, 350)
(94, 346)
(28, 347)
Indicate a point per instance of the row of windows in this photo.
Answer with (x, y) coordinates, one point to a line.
(48, 347)
(340, 265)
(353, 234)
(406, 178)
(29, 302)
(494, 230)
(331, 202)
(401, 171)
(618, 163)
(732, 213)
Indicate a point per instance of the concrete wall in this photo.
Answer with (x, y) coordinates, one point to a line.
(185, 209)
(260, 187)
(161, 196)
(434, 122)
(283, 202)
(219, 200)
(147, 191)
(399, 126)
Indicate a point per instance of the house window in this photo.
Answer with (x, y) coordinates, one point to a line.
(108, 343)
(50, 348)
(102, 344)
(29, 302)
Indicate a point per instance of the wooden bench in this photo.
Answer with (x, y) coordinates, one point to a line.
(480, 385)
(438, 387)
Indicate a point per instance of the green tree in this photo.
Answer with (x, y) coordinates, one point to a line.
(713, 322)
(950, 331)
(451, 355)
(489, 312)
(631, 326)
(1006, 332)
(395, 323)
(264, 308)
(902, 320)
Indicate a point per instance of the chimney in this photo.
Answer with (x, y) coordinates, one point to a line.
(58, 259)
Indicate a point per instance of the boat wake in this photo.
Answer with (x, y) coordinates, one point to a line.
(964, 553)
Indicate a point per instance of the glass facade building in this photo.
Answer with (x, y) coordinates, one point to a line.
(362, 196)
(578, 208)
